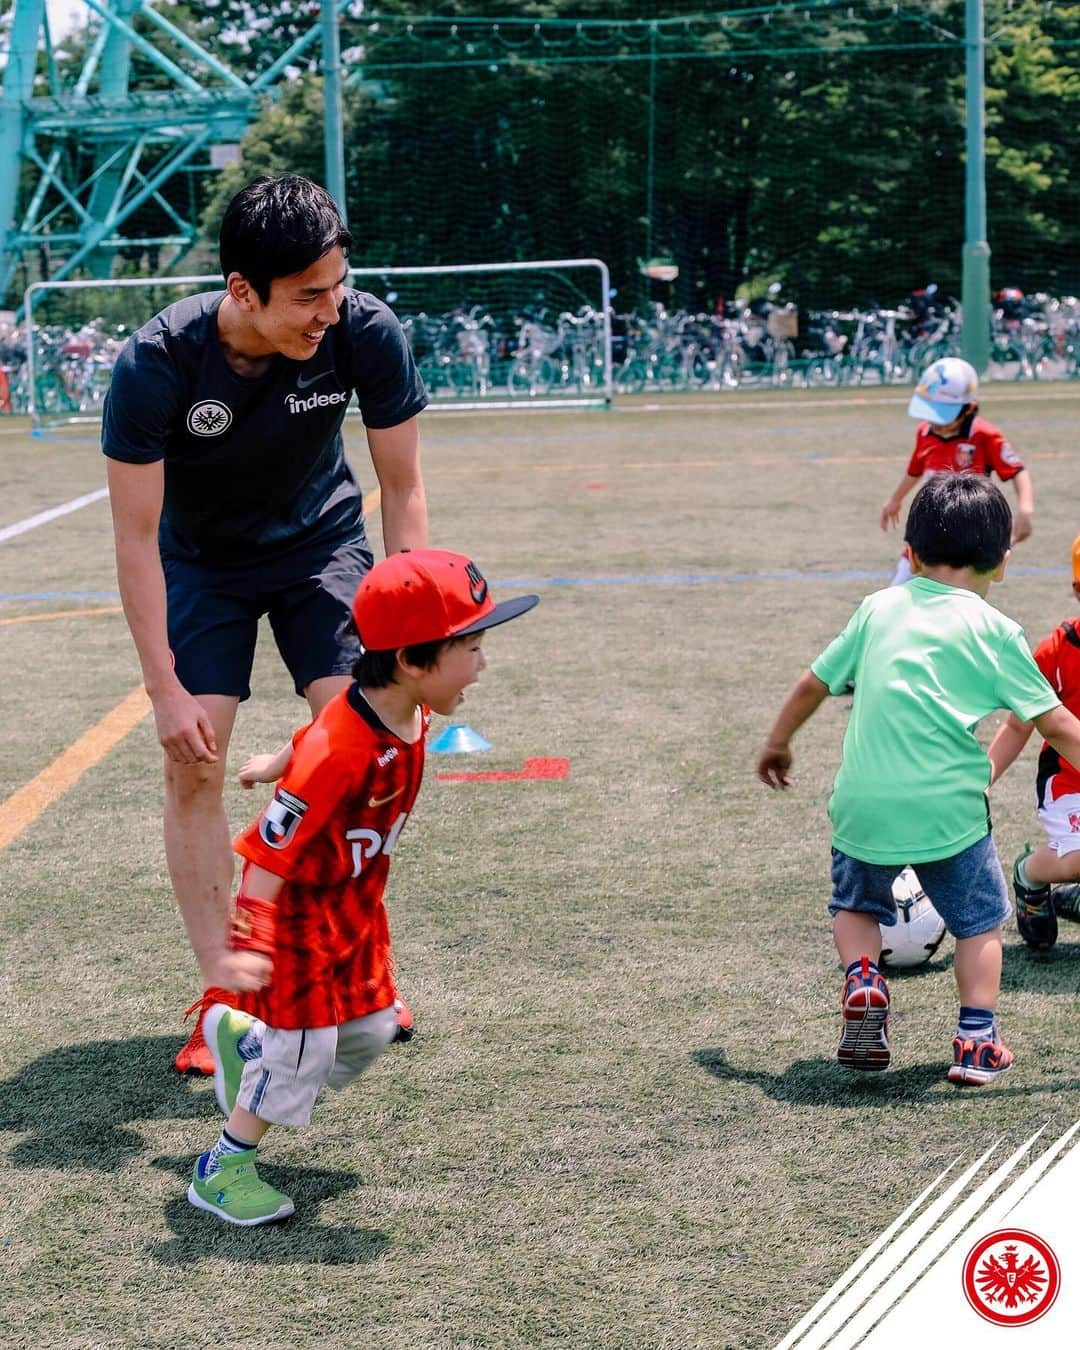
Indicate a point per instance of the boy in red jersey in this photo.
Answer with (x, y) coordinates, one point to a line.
(952, 438)
(309, 920)
(1046, 879)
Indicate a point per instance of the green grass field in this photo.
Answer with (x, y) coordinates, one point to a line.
(620, 1124)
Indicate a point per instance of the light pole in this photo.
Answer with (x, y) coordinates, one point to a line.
(332, 117)
(976, 274)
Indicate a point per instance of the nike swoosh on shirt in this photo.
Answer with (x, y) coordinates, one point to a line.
(301, 383)
(381, 801)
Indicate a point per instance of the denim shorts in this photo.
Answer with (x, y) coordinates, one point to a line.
(968, 890)
(214, 613)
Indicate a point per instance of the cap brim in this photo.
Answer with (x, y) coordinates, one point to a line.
(938, 413)
(503, 611)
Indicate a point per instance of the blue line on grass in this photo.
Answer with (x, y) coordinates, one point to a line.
(670, 579)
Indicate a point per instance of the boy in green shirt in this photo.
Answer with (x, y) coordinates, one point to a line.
(929, 661)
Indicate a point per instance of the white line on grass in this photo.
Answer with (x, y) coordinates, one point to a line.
(43, 517)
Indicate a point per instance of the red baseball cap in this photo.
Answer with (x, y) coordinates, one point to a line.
(427, 595)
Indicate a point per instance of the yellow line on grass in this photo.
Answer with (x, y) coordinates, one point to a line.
(25, 804)
(60, 614)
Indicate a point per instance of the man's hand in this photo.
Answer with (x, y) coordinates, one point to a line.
(774, 765)
(184, 728)
(243, 972)
(1022, 525)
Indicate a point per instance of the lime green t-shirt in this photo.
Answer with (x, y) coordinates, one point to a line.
(929, 662)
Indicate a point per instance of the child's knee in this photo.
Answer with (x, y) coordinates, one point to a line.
(360, 1043)
(282, 1084)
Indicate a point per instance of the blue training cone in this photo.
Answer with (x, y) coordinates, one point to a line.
(458, 739)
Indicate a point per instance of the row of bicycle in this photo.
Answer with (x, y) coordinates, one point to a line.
(474, 353)
(766, 343)
(72, 367)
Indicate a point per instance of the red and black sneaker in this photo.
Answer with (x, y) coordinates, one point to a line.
(977, 1062)
(864, 1031)
(194, 1056)
(405, 1025)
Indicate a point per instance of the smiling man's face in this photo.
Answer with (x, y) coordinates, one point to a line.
(301, 307)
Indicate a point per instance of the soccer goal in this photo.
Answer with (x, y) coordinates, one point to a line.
(485, 335)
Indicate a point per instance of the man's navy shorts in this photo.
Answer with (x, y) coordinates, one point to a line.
(307, 592)
(968, 890)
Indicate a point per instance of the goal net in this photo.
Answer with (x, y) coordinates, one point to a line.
(484, 335)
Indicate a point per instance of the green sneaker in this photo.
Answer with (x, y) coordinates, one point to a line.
(224, 1028)
(234, 1192)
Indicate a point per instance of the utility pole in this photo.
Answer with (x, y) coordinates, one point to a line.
(333, 129)
(976, 274)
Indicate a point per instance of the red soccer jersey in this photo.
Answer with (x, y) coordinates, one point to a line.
(1058, 657)
(981, 448)
(329, 831)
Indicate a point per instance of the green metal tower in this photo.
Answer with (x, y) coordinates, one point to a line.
(81, 156)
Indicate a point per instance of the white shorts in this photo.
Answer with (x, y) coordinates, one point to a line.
(1061, 821)
(282, 1084)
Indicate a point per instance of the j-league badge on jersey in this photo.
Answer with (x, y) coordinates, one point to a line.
(281, 819)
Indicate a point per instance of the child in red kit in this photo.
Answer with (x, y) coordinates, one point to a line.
(1046, 880)
(309, 915)
(952, 438)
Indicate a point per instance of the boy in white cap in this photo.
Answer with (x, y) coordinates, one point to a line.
(952, 438)
(309, 929)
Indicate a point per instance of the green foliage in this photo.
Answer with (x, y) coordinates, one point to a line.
(824, 148)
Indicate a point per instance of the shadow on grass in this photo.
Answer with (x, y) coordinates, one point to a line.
(820, 1082)
(72, 1105)
(1057, 971)
(201, 1237)
(72, 1102)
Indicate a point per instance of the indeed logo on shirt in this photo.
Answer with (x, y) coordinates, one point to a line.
(302, 405)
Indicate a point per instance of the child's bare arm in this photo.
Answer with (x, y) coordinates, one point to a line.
(890, 512)
(1009, 740)
(1062, 730)
(806, 696)
(266, 768)
(1025, 506)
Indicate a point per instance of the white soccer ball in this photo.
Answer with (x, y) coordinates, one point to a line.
(919, 928)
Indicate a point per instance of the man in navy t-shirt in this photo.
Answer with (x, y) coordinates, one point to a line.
(232, 498)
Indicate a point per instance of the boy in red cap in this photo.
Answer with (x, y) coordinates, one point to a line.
(309, 920)
(1046, 879)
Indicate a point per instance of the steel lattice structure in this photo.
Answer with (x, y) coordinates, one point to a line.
(79, 157)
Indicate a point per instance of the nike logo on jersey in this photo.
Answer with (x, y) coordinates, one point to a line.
(373, 802)
(301, 383)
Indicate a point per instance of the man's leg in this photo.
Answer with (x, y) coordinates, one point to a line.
(319, 692)
(198, 849)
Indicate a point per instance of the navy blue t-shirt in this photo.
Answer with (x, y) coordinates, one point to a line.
(254, 466)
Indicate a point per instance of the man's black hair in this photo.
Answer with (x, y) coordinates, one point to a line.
(959, 520)
(276, 227)
(375, 670)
